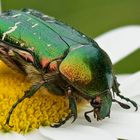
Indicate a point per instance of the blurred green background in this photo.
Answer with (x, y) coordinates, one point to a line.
(92, 17)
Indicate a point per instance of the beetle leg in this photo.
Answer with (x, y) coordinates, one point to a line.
(125, 106)
(11, 52)
(96, 104)
(29, 93)
(31, 55)
(115, 89)
(87, 117)
(72, 104)
(61, 122)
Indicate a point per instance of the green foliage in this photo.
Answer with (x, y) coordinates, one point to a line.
(129, 64)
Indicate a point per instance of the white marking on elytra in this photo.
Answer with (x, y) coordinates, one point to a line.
(12, 29)
(50, 21)
(83, 36)
(16, 15)
(45, 16)
(35, 25)
(39, 37)
(80, 46)
(73, 30)
(28, 12)
(28, 19)
(34, 33)
(49, 45)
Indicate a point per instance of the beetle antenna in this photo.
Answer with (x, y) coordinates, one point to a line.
(125, 106)
(86, 116)
(116, 90)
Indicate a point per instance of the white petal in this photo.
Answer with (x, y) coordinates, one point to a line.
(36, 135)
(123, 125)
(11, 136)
(120, 42)
(120, 124)
(122, 77)
(76, 132)
(130, 87)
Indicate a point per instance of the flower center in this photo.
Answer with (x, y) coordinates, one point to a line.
(41, 109)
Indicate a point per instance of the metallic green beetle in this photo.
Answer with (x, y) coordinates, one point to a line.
(60, 58)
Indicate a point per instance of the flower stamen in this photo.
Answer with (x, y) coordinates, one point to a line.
(41, 109)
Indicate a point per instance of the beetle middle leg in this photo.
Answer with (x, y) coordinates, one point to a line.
(115, 89)
(72, 104)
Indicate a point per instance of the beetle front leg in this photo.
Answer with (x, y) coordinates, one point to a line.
(72, 106)
(115, 89)
(29, 93)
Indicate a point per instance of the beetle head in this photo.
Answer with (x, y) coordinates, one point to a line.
(89, 70)
(101, 106)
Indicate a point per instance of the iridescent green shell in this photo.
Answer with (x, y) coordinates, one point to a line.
(86, 66)
(31, 29)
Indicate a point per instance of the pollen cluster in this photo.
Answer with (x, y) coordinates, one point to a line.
(42, 108)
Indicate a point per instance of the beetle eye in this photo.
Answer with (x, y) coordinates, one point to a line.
(96, 102)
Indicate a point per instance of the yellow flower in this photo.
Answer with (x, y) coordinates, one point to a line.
(41, 109)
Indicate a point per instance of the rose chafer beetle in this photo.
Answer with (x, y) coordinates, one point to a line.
(60, 58)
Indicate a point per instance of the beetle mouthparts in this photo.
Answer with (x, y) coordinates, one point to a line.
(96, 104)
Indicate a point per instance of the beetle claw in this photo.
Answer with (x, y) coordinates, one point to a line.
(7, 122)
(56, 125)
(74, 117)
